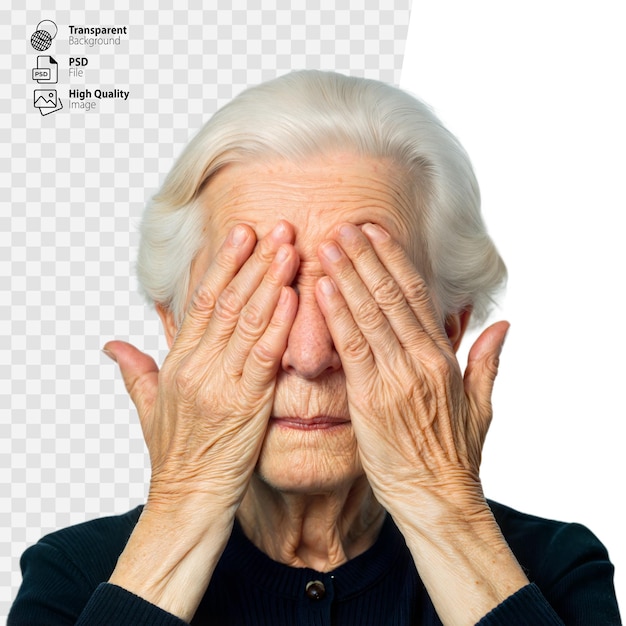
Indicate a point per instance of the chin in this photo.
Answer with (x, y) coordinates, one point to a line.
(293, 461)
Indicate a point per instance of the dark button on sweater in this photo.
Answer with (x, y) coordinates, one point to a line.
(315, 590)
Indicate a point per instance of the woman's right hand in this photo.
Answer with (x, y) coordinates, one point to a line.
(205, 413)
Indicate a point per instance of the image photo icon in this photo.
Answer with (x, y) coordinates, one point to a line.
(45, 98)
(46, 101)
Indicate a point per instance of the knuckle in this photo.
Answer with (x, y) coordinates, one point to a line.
(437, 363)
(265, 355)
(265, 250)
(228, 304)
(184, 381)
(492, 365)
(272, 279)
(354, 347)
(386, 292)
(418, 391)
(360, 250)
(421, 297)
(368, 315)
(204, 298)
(418, 287)
(251, 320)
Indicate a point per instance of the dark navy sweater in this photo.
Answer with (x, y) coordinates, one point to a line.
(65, 574)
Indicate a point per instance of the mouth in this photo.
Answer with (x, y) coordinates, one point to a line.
(319, 422)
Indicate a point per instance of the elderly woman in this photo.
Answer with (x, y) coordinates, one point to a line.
(315, 256)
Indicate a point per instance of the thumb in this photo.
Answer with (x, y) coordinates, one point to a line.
(482, 368)
(140, 374)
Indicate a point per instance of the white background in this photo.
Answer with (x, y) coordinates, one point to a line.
(536, 93)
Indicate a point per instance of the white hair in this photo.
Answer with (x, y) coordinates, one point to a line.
(309, 113)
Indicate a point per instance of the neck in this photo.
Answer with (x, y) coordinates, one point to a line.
(320, 531)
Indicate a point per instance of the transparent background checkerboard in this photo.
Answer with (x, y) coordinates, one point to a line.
(73, 186)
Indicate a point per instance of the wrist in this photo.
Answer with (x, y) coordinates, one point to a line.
(171, 555)
(434, 507)
(462, 557)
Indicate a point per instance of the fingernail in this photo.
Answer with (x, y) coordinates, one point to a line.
(279, 231)
(109, 354)
(238, 236)
(331, 251)
(375, 232)
(327, 286)
(347, 231)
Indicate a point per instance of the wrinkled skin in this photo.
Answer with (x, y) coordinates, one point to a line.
(420, 425)
(205, 413)
(307, 302)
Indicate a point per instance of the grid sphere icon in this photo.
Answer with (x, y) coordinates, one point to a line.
(41, 40)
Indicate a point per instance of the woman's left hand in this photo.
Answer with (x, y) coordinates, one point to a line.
(420, 424)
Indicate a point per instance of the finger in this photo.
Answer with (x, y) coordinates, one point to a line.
(365, 314)
(354, 350)
(140, 374)
(218, 301)
(262, 365)
(257, 313)
(227, 262)
(482, 369)
(399, 265)
(238, 292)
(382, 295)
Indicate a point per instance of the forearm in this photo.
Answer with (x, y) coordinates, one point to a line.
(171, 555)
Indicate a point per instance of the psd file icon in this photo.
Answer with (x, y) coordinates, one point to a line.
(46, 101)
(47, 70)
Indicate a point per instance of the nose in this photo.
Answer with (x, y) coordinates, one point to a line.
(310, 350)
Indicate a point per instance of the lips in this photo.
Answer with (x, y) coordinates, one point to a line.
(319, 422)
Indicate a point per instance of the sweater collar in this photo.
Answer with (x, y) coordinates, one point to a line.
(349, 579)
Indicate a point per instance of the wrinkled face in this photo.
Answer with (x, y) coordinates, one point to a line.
(315, 198)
